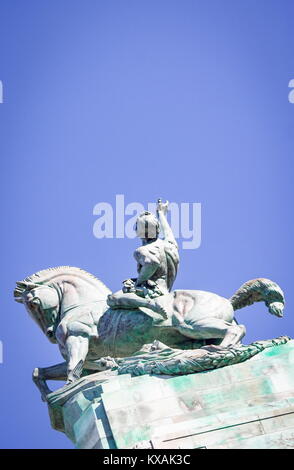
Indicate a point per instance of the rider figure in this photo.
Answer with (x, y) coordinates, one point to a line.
(157, 263)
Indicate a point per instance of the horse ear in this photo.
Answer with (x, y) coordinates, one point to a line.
(21, 287)
(25, 285)
(31, 285)
(21, 284)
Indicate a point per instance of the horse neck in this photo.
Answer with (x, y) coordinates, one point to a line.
(76, 292)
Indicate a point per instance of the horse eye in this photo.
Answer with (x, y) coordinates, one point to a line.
(34, 303)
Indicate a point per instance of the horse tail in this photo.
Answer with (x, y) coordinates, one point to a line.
(260, 290)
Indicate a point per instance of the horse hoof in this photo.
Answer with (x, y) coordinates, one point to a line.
(35, 374)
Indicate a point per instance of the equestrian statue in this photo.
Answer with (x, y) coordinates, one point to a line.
(76, 310)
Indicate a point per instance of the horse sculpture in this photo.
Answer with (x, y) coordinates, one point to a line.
(70, 306)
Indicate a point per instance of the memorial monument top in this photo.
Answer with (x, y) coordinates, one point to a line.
(146, 327)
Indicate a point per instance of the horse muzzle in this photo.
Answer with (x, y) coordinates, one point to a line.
(50, 334)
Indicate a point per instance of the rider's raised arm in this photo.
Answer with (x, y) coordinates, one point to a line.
(166, 230)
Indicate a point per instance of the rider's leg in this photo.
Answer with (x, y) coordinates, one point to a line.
(211, 328)
(132, 301)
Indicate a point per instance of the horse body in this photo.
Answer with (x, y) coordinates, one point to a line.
(70, 306)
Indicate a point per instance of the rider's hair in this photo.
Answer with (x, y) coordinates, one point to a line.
(148, 224)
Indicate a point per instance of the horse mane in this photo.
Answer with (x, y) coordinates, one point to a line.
(47, 275)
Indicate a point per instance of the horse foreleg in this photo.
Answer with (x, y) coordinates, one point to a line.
(41, 374)
(77, 347)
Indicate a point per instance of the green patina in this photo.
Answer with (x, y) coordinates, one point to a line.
(278, 350)
(237, 406)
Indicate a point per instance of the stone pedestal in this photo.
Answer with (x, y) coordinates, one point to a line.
(246, 405)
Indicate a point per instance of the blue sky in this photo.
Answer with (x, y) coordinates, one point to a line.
(184, 100)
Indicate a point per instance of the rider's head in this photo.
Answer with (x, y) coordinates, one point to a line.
(147, 226)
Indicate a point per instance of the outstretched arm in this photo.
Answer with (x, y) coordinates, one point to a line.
(162, 209)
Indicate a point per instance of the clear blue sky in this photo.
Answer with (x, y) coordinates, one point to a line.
(187, 100)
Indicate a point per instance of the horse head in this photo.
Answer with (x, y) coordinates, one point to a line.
(43, 294)
(42, 303)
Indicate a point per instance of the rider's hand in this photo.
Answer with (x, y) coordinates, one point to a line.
(162, 206)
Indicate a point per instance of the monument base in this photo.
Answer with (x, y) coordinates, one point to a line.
(247, 405)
